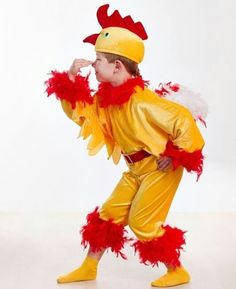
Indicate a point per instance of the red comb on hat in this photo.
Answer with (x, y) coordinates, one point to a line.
(116, 20)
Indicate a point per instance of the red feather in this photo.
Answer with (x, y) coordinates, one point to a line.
(110, 95)
(162, 91)
(190, 161)
(100, 234)
(202, 121)
(165, 249)
(65, 89)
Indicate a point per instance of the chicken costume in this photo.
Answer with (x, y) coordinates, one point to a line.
(140, 125)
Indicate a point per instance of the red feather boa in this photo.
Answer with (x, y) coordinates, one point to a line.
(165, 249)
(110, 95)
(65, 89)
(190, 161)
(100, 234)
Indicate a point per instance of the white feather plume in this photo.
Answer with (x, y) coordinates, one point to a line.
(187, 98)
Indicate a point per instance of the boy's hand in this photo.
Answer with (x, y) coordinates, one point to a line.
(164, 163)
(76, 66)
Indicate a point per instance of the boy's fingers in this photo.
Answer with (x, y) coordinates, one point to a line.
(166, 168)
(164, 164)
(161, 162)
(83, 61)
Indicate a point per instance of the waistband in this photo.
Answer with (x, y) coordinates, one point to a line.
(136, 157)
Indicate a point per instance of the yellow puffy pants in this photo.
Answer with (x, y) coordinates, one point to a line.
(142, 198)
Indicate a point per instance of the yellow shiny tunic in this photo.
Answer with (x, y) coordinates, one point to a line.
(146, 122)
(143, 196)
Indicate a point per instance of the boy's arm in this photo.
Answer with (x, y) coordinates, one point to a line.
(186, 143)
(70, 87)
(67, 108)
(185, 140)
(74, 92)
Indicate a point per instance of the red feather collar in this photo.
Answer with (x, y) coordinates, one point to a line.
(110, 95)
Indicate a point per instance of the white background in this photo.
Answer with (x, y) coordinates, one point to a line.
(43, 166)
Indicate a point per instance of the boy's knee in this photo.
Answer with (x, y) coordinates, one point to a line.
(110, 212)
(106, 212)
(136, 226)
(145, 230)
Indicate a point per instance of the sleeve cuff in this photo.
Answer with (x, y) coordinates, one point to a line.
(192, 162)
(65, 89)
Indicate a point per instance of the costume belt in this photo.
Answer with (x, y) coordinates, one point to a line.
(136, 157)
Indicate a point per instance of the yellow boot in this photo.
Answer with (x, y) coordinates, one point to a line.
(173, 277)
(87, 271)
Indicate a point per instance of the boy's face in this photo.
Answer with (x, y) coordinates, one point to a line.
(104, 70)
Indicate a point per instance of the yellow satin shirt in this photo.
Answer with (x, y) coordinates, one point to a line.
(146, 122)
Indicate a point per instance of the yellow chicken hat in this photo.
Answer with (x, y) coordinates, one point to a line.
(121, 36)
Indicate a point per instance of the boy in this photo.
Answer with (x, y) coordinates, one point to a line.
(156, 137)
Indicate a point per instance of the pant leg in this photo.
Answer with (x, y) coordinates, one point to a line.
(156, 242)
(105, 227)
(117, 206)
(152, 202)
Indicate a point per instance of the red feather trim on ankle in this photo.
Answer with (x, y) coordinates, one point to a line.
(65, 89)
(100, 234)
(165, 249)
(190, 161)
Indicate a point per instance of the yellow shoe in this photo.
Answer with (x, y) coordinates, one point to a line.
(173, 277)
(87, 271)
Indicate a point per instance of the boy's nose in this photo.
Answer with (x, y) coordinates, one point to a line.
(93, 64)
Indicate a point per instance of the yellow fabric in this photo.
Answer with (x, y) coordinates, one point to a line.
(122, 42)
(87, 271)
(85, 116)
(142, 198)
(146, 121)
(173, 277)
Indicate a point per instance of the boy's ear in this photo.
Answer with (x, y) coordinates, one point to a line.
(118, 65)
